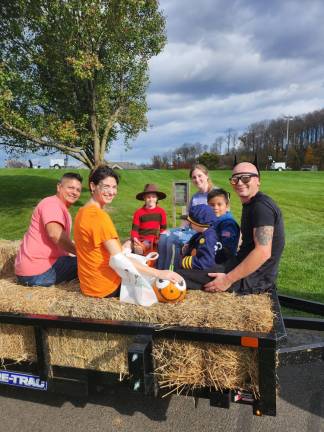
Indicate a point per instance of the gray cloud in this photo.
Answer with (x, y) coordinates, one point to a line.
(289, 29)
(228, 64)
(246, 46)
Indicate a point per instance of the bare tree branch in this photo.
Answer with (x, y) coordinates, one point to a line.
(77, 153)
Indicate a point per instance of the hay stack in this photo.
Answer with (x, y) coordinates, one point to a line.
(89, 350)
(17, 343)
(178, 364)
(8, 251)
(199, 309)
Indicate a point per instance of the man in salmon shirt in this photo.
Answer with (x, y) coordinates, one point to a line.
(43, 258)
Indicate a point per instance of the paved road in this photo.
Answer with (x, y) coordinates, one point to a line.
(300, 408)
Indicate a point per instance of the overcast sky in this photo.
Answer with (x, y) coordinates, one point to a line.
(227, 64)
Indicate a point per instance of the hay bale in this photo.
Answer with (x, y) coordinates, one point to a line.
(8, 252)
(178, 363)
(199, 309)
(17, 340)
(182, 366)
(88, 350)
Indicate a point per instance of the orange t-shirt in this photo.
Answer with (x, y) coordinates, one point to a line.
(92, 228)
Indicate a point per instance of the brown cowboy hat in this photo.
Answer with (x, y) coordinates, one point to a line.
(150, 188)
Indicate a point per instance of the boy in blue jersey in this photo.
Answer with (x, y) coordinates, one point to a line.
(226, 227)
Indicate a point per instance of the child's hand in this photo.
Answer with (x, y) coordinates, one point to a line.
(138, 247)
(127, 245)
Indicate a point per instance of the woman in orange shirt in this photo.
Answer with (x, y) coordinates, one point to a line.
(96, 240)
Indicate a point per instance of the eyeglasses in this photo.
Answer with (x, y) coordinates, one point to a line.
(245, 178)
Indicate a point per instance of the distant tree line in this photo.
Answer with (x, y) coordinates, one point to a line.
(188, 154)
(267, 139)
(305, 144)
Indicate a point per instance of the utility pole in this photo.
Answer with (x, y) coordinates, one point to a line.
(288, 118)
(228, 137)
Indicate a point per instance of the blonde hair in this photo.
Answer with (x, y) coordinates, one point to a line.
(203, 169)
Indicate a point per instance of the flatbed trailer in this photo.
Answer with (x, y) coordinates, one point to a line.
(271, 347)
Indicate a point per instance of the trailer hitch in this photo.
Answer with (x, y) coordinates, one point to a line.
(140, 365)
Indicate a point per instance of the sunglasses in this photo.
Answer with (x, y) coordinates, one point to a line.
(245, 178)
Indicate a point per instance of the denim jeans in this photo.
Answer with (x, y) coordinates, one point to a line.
(64, 269)
(174, 239)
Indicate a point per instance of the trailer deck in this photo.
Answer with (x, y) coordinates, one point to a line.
(271, 348)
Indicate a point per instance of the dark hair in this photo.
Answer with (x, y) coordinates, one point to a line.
(204, 169)
(71, 176)
(100, 173)
(219, 192)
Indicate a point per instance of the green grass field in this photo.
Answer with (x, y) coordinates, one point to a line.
(300, 195)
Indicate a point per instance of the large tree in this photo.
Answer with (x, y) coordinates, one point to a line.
(74, 73)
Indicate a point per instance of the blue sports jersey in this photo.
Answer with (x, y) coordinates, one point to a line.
(228, 233)
(215, 245)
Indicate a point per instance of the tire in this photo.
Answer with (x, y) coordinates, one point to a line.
(279, 169)
(56, 166)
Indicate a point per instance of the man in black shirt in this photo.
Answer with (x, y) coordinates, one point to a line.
(256, 267)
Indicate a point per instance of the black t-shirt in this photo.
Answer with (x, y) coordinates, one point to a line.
(261, 211)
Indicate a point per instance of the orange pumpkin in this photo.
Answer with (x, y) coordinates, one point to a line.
(168, 292)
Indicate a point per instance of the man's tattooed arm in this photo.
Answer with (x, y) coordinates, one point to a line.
(263, 235)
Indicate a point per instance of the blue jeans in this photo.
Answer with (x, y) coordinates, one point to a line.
(174, 239)
(64, 269)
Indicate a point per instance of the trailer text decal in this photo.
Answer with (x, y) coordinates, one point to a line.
(22, 380)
